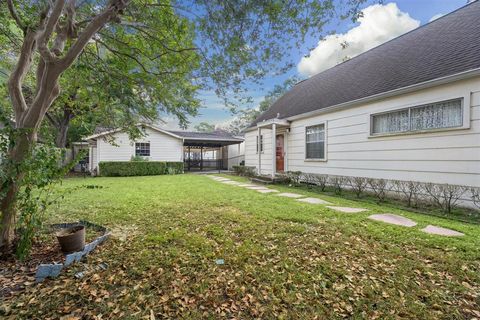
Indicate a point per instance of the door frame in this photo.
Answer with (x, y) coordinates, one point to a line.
(284, 152)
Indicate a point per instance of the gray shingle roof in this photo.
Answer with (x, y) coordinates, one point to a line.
(446, 46)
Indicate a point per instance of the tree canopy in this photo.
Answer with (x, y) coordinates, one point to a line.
(152, 52)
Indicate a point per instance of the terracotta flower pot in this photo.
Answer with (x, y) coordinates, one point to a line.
(71, 239)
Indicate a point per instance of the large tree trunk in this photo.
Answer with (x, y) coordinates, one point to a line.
(62, 126)
(52, 64)
(61, 138)
(17, 154)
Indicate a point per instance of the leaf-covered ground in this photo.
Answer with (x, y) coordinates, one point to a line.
(283, 259)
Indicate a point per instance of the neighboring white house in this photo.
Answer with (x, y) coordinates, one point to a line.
(408, 110)
(199, 151)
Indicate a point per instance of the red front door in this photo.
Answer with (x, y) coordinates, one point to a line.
(280, 160)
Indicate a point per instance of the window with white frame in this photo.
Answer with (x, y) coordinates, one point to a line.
(315, 142)
(142, 149)
(438, 115)
(260, 143)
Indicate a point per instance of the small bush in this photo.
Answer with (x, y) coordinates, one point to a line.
(445, 196)
(321, 181)
(337, 182)
(139, 168)
(409, 191)
(379, 187)
(244, 171)
(475, 194)
(309, 179)
(250, 171)
(358, 184)
(293, 177)
(238, 170)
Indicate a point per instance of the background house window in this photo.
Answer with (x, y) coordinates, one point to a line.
(446, 114)
(315, 142)
(142, 149)
(260, 145)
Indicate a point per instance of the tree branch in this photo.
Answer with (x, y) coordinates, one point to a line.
(18, 74)
(13, 13)
(51, 119)
(50, 26)
(93, 27)
(68, 31)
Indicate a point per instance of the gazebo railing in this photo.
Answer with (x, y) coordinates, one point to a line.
(205, 164)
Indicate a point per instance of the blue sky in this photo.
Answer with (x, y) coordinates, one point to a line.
(410, 14)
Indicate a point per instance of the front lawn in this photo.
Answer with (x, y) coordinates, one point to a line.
(282, 258)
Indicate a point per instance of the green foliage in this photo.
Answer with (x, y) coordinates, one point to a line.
(139, 168)
(244, 171)
(246, 117)
(42, 168)
(205, 127)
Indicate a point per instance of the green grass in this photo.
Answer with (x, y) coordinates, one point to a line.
(283, 258)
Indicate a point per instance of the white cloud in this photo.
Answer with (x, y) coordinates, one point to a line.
(435, 17)
(378, 24)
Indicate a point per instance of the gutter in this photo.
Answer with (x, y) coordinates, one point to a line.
(423, 85)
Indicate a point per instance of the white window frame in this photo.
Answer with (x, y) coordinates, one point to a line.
(259, 144)
(465, 106)
(325, 142)
(144, 142)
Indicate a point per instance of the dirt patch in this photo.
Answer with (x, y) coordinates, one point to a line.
(16, 275)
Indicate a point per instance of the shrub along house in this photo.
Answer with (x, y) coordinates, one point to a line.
(196, 150)
(408, 109)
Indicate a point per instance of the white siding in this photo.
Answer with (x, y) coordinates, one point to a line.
(163, 147)
(251, 155)
(440, 157)
(236, 154)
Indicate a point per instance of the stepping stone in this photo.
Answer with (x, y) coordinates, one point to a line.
(314, 201)
(290, 195)
(230, 182)
(257, 188)
(266, 190)
(442, 231)
(393, 219)
(247, 185)
(222, 179)
(347, 209)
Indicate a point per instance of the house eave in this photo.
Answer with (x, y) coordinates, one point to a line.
(419, 86)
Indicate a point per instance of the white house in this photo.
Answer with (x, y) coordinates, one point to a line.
(408, 109)
(198, 150)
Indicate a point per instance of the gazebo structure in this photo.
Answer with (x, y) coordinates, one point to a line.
(206, 151)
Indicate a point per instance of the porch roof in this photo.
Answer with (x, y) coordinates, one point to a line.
(215, 139)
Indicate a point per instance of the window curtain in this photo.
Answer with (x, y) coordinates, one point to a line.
(391, 122)
(440, 115)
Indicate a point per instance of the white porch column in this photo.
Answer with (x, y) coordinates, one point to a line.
(259, 146)
(285, 150)
(274, 150)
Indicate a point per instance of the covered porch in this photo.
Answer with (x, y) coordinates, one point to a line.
(275, 161)
(207, 151)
